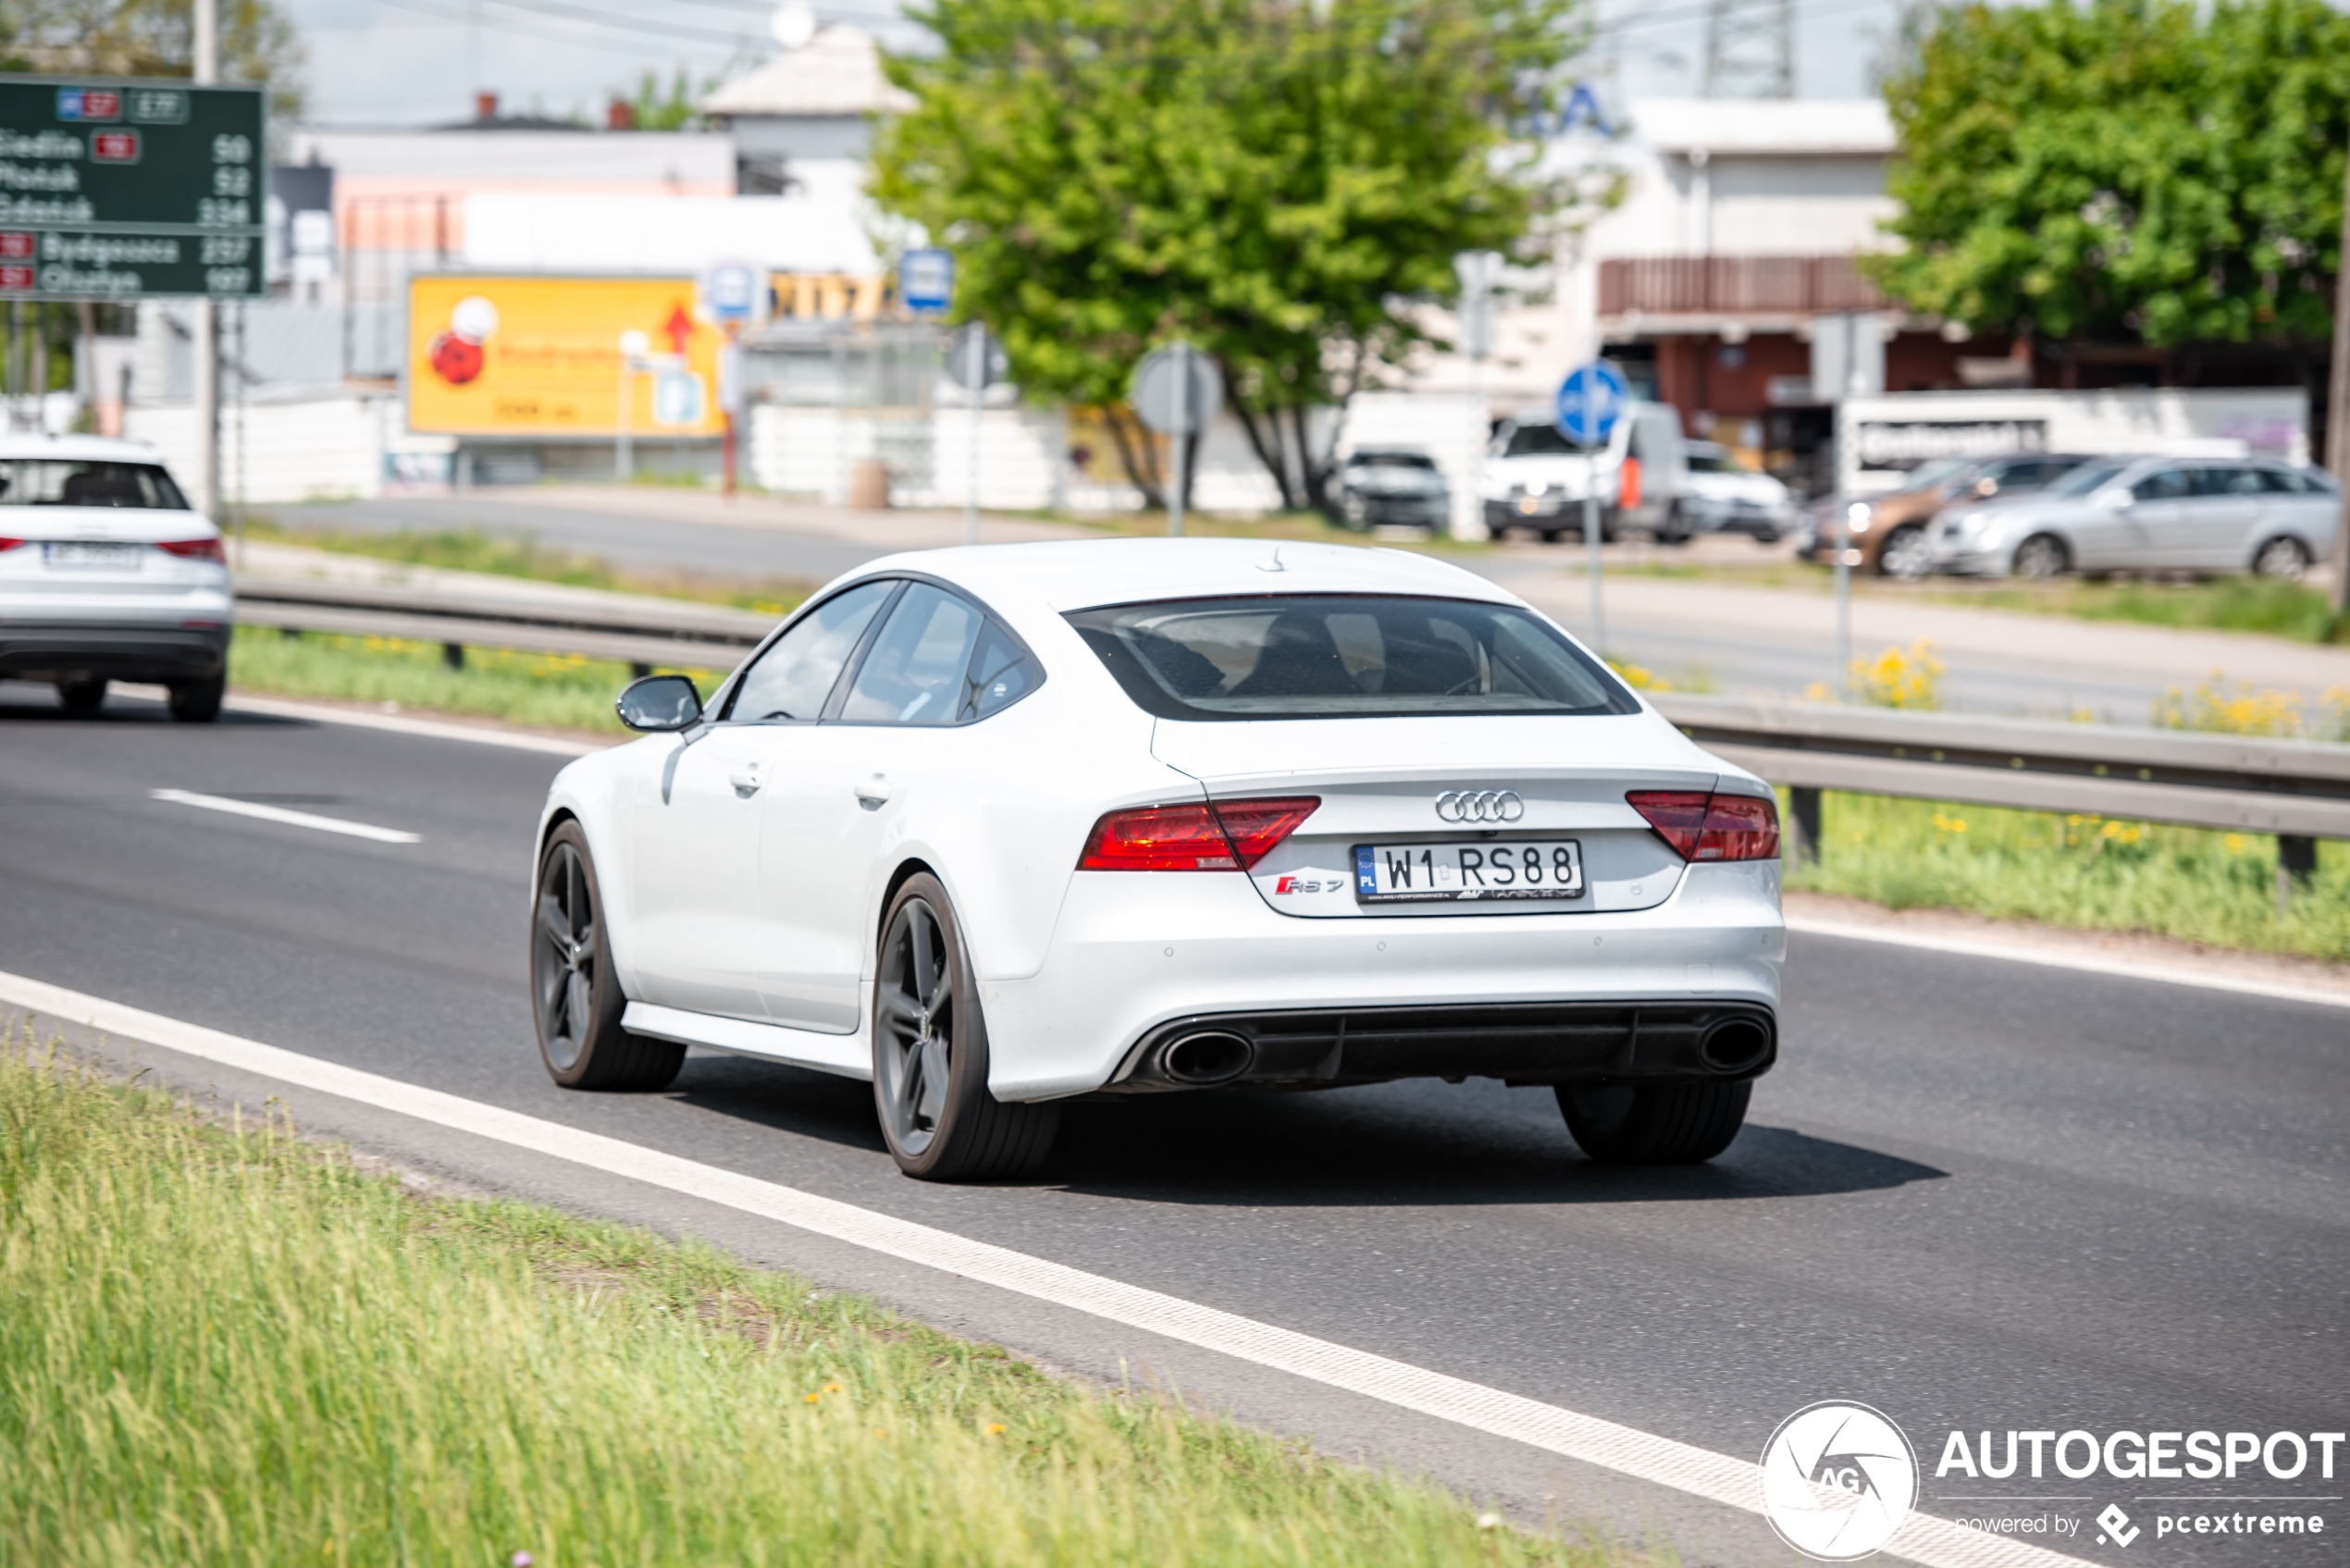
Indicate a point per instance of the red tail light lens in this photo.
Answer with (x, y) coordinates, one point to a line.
(6, 544)
(195, 550)
(1224, 835)
(1711, 827)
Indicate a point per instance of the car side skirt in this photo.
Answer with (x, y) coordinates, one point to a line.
(848, 1056)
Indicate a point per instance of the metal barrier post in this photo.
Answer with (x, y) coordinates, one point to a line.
(1803, 820)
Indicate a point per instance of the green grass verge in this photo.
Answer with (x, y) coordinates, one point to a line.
(505, 555)
(2102, 873)
(231, 1347)
(539, 690)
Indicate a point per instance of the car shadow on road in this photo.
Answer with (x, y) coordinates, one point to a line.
(1398, 1143)
(813, 1105)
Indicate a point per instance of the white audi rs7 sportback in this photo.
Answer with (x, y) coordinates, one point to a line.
(995, 828)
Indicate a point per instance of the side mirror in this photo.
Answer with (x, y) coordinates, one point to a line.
(2117, 498)
(659, 703)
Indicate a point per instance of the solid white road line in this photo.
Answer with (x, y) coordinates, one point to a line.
(2056, 958)
(433, 729)
(1734, 1483)
(290, 819)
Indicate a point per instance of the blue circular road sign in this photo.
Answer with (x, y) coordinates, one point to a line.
(1590, 401)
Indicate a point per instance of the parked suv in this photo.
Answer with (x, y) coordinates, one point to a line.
(107, 575)
(1895, 533)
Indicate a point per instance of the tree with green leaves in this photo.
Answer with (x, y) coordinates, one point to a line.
(679, 108)
(1284, 183)
(2124, 170)
(258, 43)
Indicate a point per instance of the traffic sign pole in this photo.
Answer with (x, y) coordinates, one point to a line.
(1591, 519)
(206, 71)
(975, 388)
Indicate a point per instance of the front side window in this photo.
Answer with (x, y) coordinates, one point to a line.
(54, 482)
(2163, 484)
(1345, 656)
(795, 677)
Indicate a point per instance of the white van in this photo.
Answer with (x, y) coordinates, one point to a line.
(1535, 478)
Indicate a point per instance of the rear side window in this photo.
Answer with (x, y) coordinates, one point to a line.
(1345, 656)
(2163, 484)
(53, 482)
(913, 673)
(1001, 674)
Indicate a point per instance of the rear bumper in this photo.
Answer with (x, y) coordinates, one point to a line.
(72, 650)
(1582, 1042)
(1138, 960)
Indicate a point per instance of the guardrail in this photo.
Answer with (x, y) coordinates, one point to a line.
(639, 636)
(2297, 790)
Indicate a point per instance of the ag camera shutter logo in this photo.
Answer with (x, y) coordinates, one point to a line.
(1838, 1480)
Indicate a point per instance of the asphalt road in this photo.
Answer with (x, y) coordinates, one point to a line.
(1976, 1194)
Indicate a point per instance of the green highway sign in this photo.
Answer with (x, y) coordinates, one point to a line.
(125, 189)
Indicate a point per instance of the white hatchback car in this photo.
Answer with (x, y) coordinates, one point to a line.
(997, 827)
(106, 574)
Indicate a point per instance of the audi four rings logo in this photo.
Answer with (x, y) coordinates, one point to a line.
(1479, 806)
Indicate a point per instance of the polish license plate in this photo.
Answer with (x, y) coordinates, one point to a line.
(65, 555)
(1425, 873)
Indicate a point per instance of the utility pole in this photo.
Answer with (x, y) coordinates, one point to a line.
(208, 345)
(2338, 404)
(1750, 49)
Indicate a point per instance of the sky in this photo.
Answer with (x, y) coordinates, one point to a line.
(419, 62)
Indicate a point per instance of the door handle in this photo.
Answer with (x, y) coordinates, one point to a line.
(746, 784)
(872, 794)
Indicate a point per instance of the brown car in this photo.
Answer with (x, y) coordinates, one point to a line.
(1892, 532)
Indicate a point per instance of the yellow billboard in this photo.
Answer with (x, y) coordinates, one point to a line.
(524, 356)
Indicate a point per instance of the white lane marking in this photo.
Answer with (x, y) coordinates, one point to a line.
(1734, 1483)
(2116, 968)
(290, 819)
(277, 708)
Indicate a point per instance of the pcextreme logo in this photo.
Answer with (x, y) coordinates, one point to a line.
(1838, 1480)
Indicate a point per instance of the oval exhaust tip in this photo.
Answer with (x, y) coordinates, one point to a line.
(1734, 1045)
(1207, 1058)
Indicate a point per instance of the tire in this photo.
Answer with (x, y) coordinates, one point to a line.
(930, 1083)
(575, 997)
(1908, 554)
(1663, 1124)
(2041, 557)
(198, 702)
(2285, 558)
(82, 698)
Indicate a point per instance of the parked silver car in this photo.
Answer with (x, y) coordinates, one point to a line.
(1393, 485)
(2126, 514)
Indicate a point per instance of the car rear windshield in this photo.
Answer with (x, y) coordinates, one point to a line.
(1345, 656)
(59, 482)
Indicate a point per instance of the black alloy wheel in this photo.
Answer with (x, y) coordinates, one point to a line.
(1662, 1124)
(2042, 556)
(84, 697)
(198, 702)
(929, 1054)
(574, 995)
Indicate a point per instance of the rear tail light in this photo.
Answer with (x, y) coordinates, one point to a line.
(195, 550)
(1703, 826)
(1223, 836)
(7, 544)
